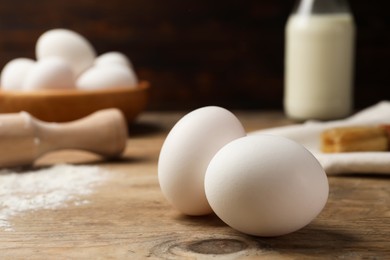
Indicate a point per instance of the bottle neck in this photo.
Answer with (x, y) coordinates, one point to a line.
(308, 7)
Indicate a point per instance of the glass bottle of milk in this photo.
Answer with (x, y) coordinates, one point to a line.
(319, 58)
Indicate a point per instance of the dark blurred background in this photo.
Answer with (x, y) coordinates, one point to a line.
(197, 52)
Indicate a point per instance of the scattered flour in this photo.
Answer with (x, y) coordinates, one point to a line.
(49, 188)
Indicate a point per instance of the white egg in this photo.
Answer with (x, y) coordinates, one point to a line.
(186, 153)
(15, 72)
(105, 77)
(111, 58)
(50, 73)
(266, 185)
(68, 45)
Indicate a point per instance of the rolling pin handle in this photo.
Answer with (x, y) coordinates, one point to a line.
(24, 138)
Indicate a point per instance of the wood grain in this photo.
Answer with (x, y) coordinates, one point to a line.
(128, 218)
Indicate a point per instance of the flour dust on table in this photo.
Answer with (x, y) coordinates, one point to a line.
(49, 188)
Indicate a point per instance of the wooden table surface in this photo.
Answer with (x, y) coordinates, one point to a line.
(128, 217)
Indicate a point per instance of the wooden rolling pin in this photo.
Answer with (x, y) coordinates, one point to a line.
(24, 138)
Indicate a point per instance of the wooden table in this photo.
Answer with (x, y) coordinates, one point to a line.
(128, 217)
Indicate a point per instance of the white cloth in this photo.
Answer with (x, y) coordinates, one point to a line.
(308, 134)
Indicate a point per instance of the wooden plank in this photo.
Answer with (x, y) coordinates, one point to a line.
(198, 52)
(129, 218)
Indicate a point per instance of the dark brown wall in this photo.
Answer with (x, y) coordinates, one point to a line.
(196, 53)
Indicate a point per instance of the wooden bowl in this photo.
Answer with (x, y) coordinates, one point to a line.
(67, 105)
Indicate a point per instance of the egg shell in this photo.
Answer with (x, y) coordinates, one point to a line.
(50, 73)
(15, 72)
(186, 153)
(68, 45)
(111, 58)
(266, 185)
(105, 77)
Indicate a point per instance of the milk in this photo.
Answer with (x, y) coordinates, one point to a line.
(319, 66)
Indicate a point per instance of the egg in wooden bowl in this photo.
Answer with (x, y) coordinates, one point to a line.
(68, 80)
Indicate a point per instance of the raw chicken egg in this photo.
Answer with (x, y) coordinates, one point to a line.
(186, 153)
(68, 45)
(15, 72)
(105, 77)
(50, 73)
(111, 58)
(266, 185)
